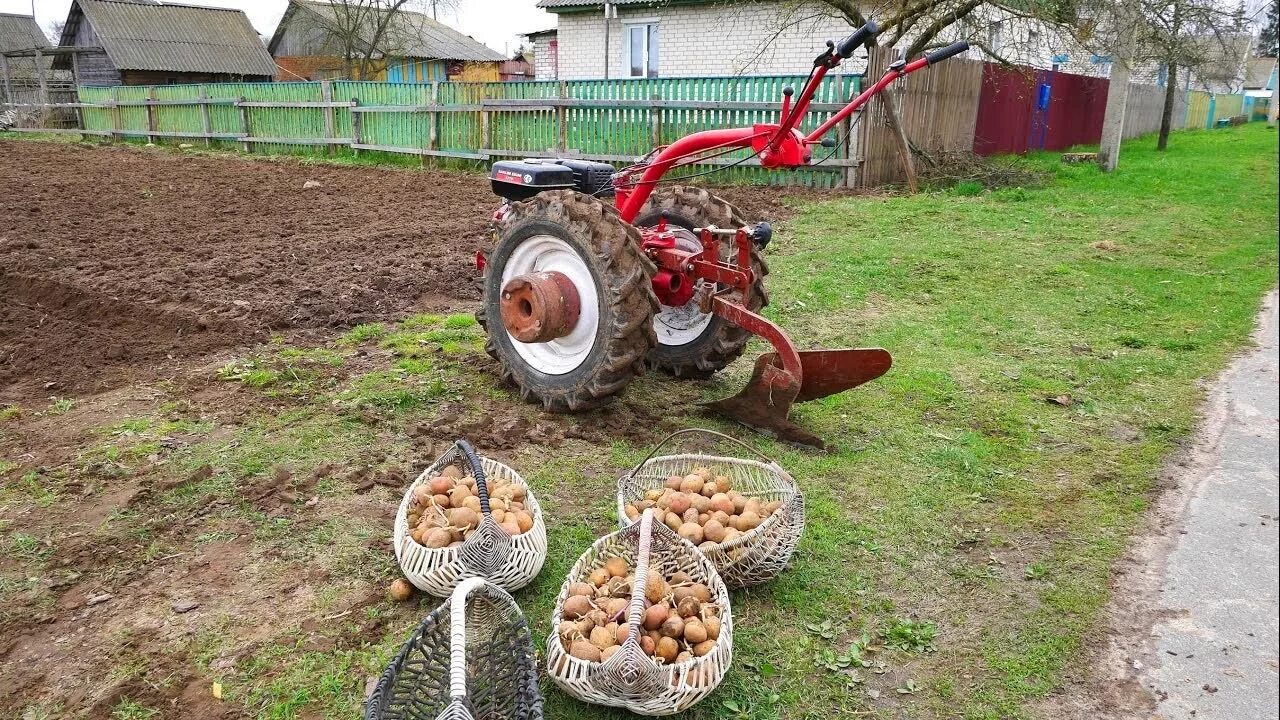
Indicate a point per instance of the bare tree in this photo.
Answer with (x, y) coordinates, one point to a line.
(1198, 36)
(364, 33)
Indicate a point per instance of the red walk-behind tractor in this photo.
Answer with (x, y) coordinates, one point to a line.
(579, 294)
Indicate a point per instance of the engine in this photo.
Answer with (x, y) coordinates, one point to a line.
(515, 180)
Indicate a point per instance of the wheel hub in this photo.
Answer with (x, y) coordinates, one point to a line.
(539, 307)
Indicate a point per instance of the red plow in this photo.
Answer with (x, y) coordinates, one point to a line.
(580, 295)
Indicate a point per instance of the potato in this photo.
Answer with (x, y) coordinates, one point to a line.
(691, 531)
(401, 590)
(458, 495)
(524, 520)
(442, 501)
(678, 503)
(672, 627)
(739, 502)
(437, 538)
(723, 503)
(748, 521)
(576, 606)
(712, 624)
(602, 638)
(673, 521)
(510, 527)
(471, 501)
(654, 616)
(452, 471)
(667, 649)
(689, 607)
(617, 567)
(655, 588)
(714, 531)
(464, 518)
(692, 484)
(722, 484)
(632, 512)
(673, 482)
(584, 650)
(608, 652)
(704, 647)
(599, 577)
(441, 485)
(694, 632)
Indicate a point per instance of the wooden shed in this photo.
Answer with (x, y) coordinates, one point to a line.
(147, 43)
(320, 41)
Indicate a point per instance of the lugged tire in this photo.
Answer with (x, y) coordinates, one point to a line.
(721, 342)
(611, 250)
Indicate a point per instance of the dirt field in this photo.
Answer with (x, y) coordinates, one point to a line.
(127, 275)
(115, 259)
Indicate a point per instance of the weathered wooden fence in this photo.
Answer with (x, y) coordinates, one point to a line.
(956, 106)
(937, 109)
(614, 120)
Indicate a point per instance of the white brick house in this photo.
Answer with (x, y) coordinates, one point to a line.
(675, 38)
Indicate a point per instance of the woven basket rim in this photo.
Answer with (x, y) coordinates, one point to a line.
(772, 467)
(713, 580)
(402, 513)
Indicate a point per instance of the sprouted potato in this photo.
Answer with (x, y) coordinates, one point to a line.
(445, 509)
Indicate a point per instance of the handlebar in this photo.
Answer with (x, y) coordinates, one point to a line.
(941, 54)
(859, 37)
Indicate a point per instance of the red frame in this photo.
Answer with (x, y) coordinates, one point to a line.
(779, 145)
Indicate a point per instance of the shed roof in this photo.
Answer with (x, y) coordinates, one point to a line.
(411, 33)
(1260, 73)
(558, 5)
(145, 35)
(20, 32)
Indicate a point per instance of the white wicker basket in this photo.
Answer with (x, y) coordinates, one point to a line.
(756, 556)
(631, 679)
(511, 562)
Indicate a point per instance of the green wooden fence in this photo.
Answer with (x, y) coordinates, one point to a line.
(615, 120)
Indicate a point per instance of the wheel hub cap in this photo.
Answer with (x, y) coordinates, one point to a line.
(539, 307)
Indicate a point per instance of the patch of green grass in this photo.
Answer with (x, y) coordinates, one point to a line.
(393, 391)
(430, 335)
(363, 333)
(128, 709)
(911, 636)
(10, 412)
(967, 188)
(30, 547)
(60, 405)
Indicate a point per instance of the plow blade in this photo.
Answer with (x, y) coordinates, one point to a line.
(765, 403)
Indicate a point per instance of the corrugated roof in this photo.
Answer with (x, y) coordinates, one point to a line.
(553, 4)
(1259, 73)
(176, 38)
(414, 35)
(20, 32)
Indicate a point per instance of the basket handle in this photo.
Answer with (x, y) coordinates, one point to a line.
(458, 636)
(635, 611)
(473, 461)
(704, 431)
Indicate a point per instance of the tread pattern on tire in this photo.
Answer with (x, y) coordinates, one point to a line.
(730, 341)
(627, 288)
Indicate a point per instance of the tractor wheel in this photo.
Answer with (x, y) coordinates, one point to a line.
(691, 343)
(582, 241)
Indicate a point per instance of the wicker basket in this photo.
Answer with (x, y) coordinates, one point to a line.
(510, 562)
(471, 659)
(756, 556)
(631, 679)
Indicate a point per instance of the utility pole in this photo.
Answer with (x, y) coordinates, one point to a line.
(1274, 105)
(1126, 46)
(607, 7)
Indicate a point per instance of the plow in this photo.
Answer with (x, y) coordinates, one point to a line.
(598, 273)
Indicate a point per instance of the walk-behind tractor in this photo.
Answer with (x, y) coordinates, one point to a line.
(580, 294)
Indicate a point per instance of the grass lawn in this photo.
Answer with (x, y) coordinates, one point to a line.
(1049, 349)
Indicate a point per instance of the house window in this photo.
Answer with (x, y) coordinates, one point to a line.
(642, 50)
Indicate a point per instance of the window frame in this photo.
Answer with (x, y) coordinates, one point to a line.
(652, 37)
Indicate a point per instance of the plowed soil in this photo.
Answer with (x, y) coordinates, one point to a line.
(116, 261)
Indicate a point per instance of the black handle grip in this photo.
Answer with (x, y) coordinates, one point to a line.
(941, 54)
(473, 461)
(857, 39)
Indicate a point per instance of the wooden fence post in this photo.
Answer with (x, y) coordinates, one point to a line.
(844, 133)
(562, 118)
(246, 128)
(8, 88)
(326, 94)
(486, 129)
(206, 123)
(433, 132)
(117, 123)
(655, 122)
(151, 114)
(357, 124)
(888, 99)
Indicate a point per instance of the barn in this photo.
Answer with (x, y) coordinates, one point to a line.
(406, 47)
(143, 42)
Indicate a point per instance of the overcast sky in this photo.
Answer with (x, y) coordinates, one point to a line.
(496, 23)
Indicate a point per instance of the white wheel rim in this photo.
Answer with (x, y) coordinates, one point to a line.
(676, 326)
(547, 253)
